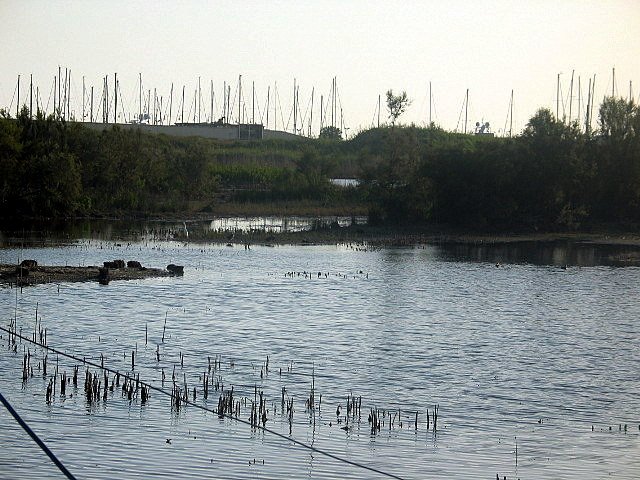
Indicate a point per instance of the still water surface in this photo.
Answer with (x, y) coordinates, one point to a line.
(526, 355)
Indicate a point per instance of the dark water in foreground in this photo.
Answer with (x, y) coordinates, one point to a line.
(526, 354)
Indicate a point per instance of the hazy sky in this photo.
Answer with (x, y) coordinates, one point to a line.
(489, 47)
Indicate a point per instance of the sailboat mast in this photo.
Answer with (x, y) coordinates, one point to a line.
(558, 97)
(613, 82)
(66, 94)
(115, 97)
(593, 96)
(586, 121)
(466, 109)
(321, 112)
(84, 97)
(101, 99)
(311, 116)
(268, 99)
(18, 102)
(182, 114)
(69, 95)
(511, 116)
(295, 110)
(430, 103)
(571, 95)
(239, 99)
(212, 97)
(199, 101)
(333, 82)
(224, 102)
(195, 104)
(31, 95)
(108, 105)
(59, 89)
(378, 110)
(253, 102)
(105, 113)
(140, 99)
(171, 105)
(91, 111)
(54, 96)
(335, 100)
(579, 100)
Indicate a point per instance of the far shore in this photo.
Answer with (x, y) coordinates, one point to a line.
(128, 227)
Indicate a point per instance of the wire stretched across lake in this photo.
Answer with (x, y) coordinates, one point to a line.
(36, 439)
(201, 407)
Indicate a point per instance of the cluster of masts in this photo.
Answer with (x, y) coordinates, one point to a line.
(583, 114)
(229, 107)
(217, 108)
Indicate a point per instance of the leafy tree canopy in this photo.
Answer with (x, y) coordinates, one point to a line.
(397, 104)
(331, 133)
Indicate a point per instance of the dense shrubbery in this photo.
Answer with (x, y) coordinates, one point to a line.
(552, 176)
(50, 168)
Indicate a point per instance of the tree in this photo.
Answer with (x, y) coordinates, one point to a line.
(330, 133)
(616, 118)
(396, 104)
(553, 172)
(10, 148)
(618, 160)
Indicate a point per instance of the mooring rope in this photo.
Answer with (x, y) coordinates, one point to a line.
(35, 438)
(202, 407)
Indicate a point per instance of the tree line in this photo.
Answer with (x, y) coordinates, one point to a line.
(551, 176)
(50, 168)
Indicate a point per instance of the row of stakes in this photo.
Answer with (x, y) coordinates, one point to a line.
(96, 388)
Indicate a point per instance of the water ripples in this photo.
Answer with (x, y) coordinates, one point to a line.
(521, 353)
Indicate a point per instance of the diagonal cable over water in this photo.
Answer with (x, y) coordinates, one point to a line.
(36, 439)
(201, 407)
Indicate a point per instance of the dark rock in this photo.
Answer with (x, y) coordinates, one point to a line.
(134, 264)
(114, 264)
(103, 275)
(29, 264)
(175, 269)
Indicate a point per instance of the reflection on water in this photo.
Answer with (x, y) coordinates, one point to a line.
(544, 253)
(275, 224)
(166, 229)
(345, 182)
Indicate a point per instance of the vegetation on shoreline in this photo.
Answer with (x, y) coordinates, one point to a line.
(552, 177)
(53, 169)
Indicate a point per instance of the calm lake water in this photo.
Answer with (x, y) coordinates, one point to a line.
(525, 356)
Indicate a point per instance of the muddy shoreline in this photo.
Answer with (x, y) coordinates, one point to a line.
(14, 275)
